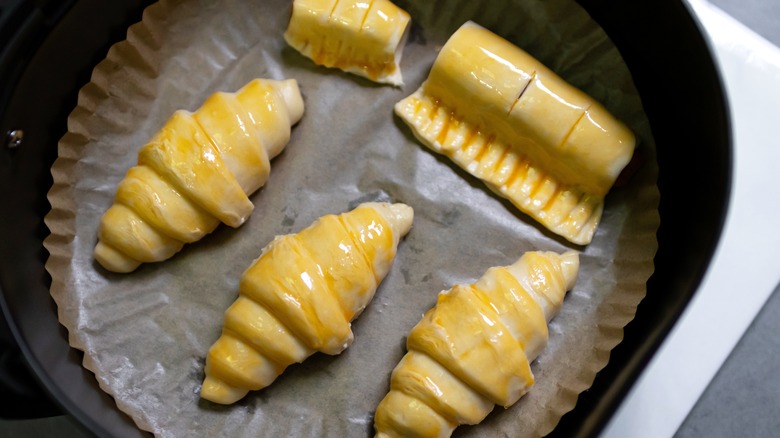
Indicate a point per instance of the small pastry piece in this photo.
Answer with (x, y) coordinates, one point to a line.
(364, 37)
(196, 172)
(474, 348)
(534, 139)
(300, 296)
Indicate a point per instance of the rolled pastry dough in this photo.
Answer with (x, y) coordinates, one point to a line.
(364, 37)
(196, 172)
(501, 115)
(300, 296)
(473, 350)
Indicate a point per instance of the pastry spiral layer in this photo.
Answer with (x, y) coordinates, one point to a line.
(196, 172)
(474, 348)
(300, 296)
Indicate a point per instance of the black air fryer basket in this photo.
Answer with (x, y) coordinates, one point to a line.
(49, 49)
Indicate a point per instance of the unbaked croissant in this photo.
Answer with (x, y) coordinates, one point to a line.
(300, 296)
(534, 139)
(474, 348)
(196, 172)
(361, 37)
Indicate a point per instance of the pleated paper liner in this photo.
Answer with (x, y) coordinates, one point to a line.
(145, 334)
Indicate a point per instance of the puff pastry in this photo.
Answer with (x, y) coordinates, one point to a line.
(300, 296)
(364, 37)
(196, 172)
(534, 139)
(474, 348)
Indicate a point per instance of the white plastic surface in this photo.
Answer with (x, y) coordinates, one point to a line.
(746, 267)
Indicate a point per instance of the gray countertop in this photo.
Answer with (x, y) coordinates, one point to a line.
(744, 397)
(762, 16)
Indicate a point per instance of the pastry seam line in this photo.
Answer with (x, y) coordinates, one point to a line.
(332, 11)
(365, 16)
(571, 130)
(519, 96)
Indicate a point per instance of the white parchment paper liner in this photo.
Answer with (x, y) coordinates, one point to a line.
(145, 335)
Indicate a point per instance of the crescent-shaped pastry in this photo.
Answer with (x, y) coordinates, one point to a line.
(364, 37)
(474, 348)
(300, 296)
(196, 172)
(534, 139)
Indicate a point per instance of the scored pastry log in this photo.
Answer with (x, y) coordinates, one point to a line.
(300, 295)
(534, 139)
(196, 172)
(474, 348)
(364, 37)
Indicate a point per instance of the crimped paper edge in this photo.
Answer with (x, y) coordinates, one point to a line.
(133, 51)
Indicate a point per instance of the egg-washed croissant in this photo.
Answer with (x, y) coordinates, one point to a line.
(534, 139)
(300, 296)
(364, 37)
(196, 172)
(474, 348)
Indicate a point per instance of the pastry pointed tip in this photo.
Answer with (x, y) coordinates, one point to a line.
(113, 260)
(217, 391)
(403, 216)
(292, 97)
(570, 266)
(399, 215)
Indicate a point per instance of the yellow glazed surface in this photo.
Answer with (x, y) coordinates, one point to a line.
(474, 348)
(531, 137)
(300, 296)
(364, 37)
(196, 172)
